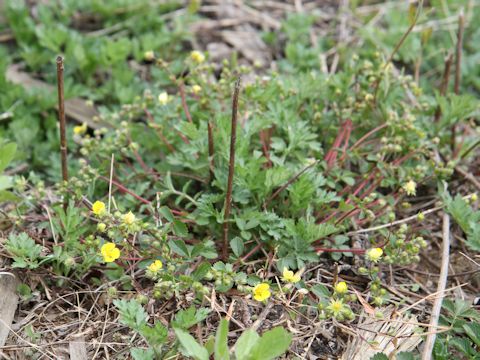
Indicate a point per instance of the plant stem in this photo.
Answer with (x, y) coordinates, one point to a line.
(211, 150)
(398, 46)
(61, 118)
(458, 71)
(231, 169)
(458, 55)
(445, 80)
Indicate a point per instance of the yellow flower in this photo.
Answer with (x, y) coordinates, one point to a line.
(341, 287)
(374, 254)
(163, 98)
(474, 197)
(289, 276)
(110, 252)
(336, 306)
(149, 55)
(410, 188)
(155, 266)
(129, 218)
(197, 56)
(98, 208)
(80, 129)
(261, 292)
(196, 89)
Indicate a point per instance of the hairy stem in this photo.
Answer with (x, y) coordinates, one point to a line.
(231, 169)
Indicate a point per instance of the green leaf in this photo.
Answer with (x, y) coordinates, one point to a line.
(272, 344)
(142, 354)
(166, 213)
(7, 152)
(5, 182)
(321, 291)
(132, 313)
(8, 196)
(473, 331)
(180, 228)
(221, 341)
(463, 345)
(379, 356)
(201, 271)
(179, 247)
(405, 355)
(190, 346)
(245, 343)
(237, 246)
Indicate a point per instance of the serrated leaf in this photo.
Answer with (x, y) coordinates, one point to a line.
(473, 331)
(166, 213)
(180, 228)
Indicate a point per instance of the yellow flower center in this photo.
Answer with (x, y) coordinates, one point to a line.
(197, 57)
(289, 276)
(98, 207)
(110, 252)
(156, 266)
(336, 306)
(261, 292)
(80, 129)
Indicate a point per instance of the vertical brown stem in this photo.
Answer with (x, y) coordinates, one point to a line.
(61, 118)
(458, 70)
(445, 80)
(458, 55)
(181, 87)
(211, 149)
(231, 169)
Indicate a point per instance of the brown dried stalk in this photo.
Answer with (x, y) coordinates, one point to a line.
(445, 80)
(61, 118)
(231, 169)
(211, 149)
(458, 69)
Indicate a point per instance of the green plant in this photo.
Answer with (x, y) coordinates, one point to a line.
(463, 335)
(25, 252)
(249, 346)
(466, 217)
(7, 153)
(134, 316)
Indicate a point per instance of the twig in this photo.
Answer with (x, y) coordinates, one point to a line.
(398, 222)
(231, 168)
(458, 69)
(445, 80)
(442, 282)
(211, 149)
(61, 118)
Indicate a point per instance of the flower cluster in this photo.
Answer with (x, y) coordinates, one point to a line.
(338, 306)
